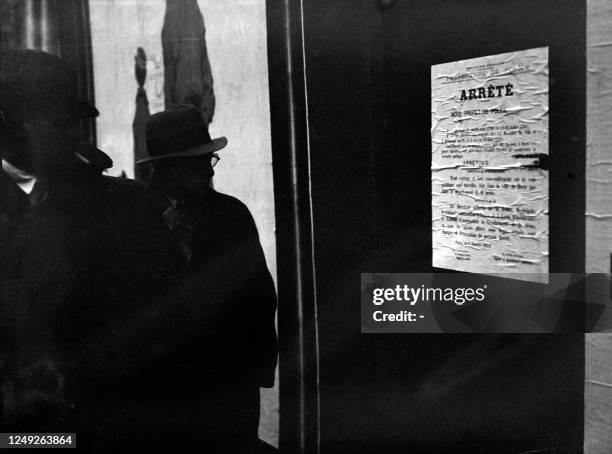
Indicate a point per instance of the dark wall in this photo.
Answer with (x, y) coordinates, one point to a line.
(368, 89)
(420, 34)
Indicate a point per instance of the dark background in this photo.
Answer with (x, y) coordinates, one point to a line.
(368, 92)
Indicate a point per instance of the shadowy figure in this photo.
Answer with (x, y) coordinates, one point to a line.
(141, 115)
(187, 74)
(79, 252)
(229, 349)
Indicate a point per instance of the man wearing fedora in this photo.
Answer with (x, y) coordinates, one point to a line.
(229, 350)
(78, 252)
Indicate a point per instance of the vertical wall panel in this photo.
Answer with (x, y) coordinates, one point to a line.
(598, 368)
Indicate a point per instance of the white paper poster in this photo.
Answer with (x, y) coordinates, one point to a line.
(489, 167)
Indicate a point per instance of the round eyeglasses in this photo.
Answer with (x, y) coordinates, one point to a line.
(214, 159)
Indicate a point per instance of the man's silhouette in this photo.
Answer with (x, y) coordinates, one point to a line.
(226, 355)
(78, 253)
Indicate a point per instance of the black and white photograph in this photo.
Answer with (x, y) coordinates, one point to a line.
(306, 226)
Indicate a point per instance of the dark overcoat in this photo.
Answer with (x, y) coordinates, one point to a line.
(226, 347)
(227, 254)
(80, 260)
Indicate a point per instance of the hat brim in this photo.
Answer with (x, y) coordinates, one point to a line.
(206, 148)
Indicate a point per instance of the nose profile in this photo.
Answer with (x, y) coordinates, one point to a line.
(209, 171)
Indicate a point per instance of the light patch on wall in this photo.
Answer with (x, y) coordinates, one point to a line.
(118, 28)
(599, 138)
(237, 50)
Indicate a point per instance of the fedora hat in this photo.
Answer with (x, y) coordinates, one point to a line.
(34, 81)
(179, 133)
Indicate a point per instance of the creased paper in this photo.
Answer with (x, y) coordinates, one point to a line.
(489, 168)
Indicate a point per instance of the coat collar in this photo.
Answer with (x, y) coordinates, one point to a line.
(24, 180)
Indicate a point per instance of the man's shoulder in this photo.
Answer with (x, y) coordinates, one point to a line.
(224, 209)
(126, 190)
(130, 197)
(125, 186)
(220, 197)
(229, 203)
